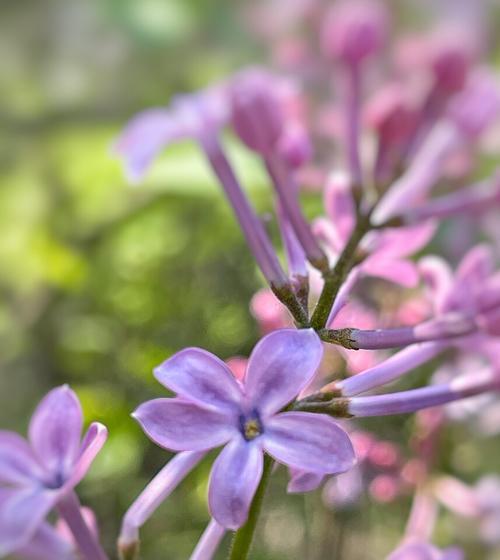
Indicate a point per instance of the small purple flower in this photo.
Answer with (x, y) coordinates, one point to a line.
(212, 409)
(40, 474)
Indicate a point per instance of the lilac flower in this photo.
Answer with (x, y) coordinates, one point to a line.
(212, 409)
(40, 474)
(152, 130)
(386, 252)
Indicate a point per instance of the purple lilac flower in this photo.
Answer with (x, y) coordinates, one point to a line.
(386, 252)
(212, 409)
(40, 474)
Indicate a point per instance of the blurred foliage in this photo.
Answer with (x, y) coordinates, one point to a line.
(100, 281)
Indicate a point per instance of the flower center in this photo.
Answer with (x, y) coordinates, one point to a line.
(251, 426)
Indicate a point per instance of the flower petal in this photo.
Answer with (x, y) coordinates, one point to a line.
(235, 476)
(438, 277)
(17, 462)
(399, 271)
(280, 366)
(22, 511)
(55, 430)
(339, 205)
(47, 544)
(303, 481)
(92, 443)
(310, 442)
(404, 242)
(179, 425)
(144, 137)
(200, 377)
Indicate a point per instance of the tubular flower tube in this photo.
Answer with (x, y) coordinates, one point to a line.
(473, 200)
(39, 475)
(213, 409)
(160, 487)
(259, 120)
(353, 32)
(418, 399)
(389, 370)
(200, 116)
(469, 114)
(209, 542)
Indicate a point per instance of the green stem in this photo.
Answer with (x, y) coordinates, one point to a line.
(243, 537)
(336, 276)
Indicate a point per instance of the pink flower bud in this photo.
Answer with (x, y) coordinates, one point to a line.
(474, 108)
(391, 114)
(268, 311)
(257, 114)
(384, 488)
(238, 366)
(354, 30)
(295, 146)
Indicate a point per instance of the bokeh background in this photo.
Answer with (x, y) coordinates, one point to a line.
(100, 281)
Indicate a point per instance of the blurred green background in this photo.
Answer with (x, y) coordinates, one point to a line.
(100, 281)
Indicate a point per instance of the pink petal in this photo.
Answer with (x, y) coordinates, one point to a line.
(404, 242)
(280, 366)
(401, 272)
(235, 476)
(476, 265)
(55, 430)
(92, 443)
(438, 276)
(310, 442)
(18, 464)
(339, 204)
(22, 511)
(200, 377)
(179, 425)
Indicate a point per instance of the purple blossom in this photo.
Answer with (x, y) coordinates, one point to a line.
(212, 409)
(386, 251)
(40, 474)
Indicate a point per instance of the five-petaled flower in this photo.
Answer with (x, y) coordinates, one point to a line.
(212, 409)
(38, 474)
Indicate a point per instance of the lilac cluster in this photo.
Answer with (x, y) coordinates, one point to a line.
(421, 132)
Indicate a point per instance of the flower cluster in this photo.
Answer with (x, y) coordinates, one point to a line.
(347, 289)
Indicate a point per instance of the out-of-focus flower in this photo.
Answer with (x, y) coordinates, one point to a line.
(421, 550)
(213, 409)
(38, 475)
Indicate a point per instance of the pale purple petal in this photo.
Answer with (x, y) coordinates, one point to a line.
(47, 544)
(92, 443)
(399, 271)
(144, 137)
(179, 425)
(18, 464)
(310, 442)
(235, 475)
(281, 365)
(22, 511)
(476, 265)
(200, 377)
(209, 542)
(55, 430)
(156, 491)
(303, 481)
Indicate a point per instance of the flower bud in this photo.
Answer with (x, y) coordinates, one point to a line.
(474, 108)
(257, 114)
(354, 30)
(295, 146)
